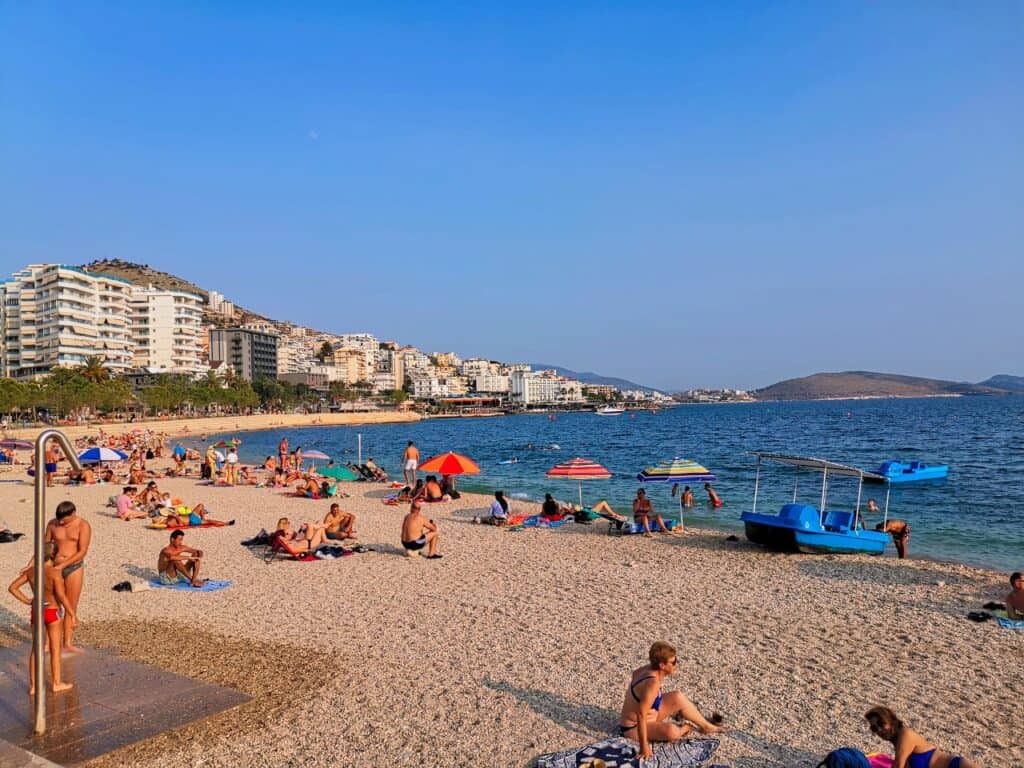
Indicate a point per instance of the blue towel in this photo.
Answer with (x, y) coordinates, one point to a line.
(209, 586)
(1009, 623)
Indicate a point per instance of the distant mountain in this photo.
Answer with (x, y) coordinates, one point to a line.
(853, 384)
(589, 377)
(1005, 381)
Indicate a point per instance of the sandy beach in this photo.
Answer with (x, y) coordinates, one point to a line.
(210, 425)
(520, 643)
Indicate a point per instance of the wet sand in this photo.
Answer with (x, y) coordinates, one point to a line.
(519, 643)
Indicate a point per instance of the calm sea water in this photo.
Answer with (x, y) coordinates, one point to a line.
(976, 516)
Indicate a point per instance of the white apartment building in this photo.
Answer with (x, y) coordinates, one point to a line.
(367, 342)
(219, 305)
(352, 365)
(477, 366)
(492, 383)
(53, 316)
(414, 360)
(429, 386)
(544, 387)
(166, 330)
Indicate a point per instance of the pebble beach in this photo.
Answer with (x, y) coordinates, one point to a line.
(518, 643)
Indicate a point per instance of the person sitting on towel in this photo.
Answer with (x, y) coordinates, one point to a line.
(499, 510)
(1015, 600)
(179, 564)
(126, 508)
(338, 524)
(419, 532)
(433, 490)
(647, 713)
(643, 510)
(308, 488)
(448, 487)
(378, 473)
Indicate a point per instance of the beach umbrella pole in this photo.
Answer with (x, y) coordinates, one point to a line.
(581, 495)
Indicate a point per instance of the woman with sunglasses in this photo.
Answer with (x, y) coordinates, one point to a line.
(647, 714)
(912, 749)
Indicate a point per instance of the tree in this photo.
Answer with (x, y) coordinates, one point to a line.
(325, 351)
(93, 371)
(397, 396)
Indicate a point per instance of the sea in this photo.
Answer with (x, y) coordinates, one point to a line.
(975, 516)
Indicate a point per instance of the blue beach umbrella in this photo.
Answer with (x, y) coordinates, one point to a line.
(96, 455)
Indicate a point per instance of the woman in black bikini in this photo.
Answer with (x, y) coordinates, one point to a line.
(647, 714)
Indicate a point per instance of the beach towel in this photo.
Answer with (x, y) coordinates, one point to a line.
(159, 527)
(619, 752)
(1005, 623)
(879, 760)
(633, 528)
(209, 586)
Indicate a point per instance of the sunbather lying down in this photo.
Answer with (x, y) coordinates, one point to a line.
(308, 537)
(187, 517)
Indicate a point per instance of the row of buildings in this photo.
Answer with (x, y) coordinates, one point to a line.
(53, 315)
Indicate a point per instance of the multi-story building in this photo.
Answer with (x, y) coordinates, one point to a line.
(352, 365)
(477, 366)
(166, 330)
(492, 383)
(250, 354)
(544, 387)
(53, 316)
(390, 368)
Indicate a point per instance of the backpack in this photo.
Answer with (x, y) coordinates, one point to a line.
(847, 757)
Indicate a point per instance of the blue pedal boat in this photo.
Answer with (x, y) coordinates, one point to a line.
(906, 472)
(815, 530)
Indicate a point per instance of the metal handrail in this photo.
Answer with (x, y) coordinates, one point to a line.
(38, 630)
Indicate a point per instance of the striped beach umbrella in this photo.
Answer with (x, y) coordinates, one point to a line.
(96, 455)
(676, 471)
(450, 464)
(579, 469)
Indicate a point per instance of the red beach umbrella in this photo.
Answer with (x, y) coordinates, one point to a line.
(450, 464)
(580, 470)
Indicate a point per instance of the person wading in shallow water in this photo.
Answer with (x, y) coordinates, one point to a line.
(900, 532)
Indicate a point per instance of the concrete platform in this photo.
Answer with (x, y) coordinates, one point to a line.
(115, 702)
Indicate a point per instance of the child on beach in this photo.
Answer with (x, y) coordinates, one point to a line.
(647, 713)
(912, 749)
(56, 609)
(1015, 600)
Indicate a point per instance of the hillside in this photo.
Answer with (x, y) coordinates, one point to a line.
(143, 274)
(1005, 381)
(852, 384)
(589, 377)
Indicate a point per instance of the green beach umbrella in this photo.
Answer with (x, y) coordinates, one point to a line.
(338, 473)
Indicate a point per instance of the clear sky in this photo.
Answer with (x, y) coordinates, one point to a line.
(684, 194)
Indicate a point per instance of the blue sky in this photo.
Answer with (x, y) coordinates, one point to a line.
(682, 194)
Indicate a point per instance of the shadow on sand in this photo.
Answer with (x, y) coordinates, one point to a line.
(584, 719)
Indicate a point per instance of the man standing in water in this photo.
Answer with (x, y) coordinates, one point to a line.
(72, 535)
(410, 463)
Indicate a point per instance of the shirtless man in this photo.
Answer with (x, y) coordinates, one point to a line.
(56, 611)
(178, 563)
(419, 532)
(338, 524)
(1015, 600)
(713, 499)
(410, 463)
(72, 535)
(51, 463)
(900, 532)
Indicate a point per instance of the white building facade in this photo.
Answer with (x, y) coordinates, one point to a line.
(166, 331)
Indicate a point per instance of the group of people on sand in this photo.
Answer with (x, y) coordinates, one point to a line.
(651, 715)
(337, 525)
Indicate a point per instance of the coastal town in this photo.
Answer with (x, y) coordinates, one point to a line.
(58, 316)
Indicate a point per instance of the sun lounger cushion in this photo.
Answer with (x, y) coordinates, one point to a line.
(620, 752)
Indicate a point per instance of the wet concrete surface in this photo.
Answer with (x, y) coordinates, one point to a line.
(115, 702)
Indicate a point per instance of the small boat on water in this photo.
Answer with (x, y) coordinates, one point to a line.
(805, 528)
(906, 472)
(610, 410)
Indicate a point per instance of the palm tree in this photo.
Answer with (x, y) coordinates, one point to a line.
(92, 370)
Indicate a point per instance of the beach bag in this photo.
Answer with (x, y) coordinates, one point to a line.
(847, 757)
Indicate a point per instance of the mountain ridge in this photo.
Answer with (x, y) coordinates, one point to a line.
(854, 384)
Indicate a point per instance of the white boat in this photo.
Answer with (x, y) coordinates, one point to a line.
(610, 410)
